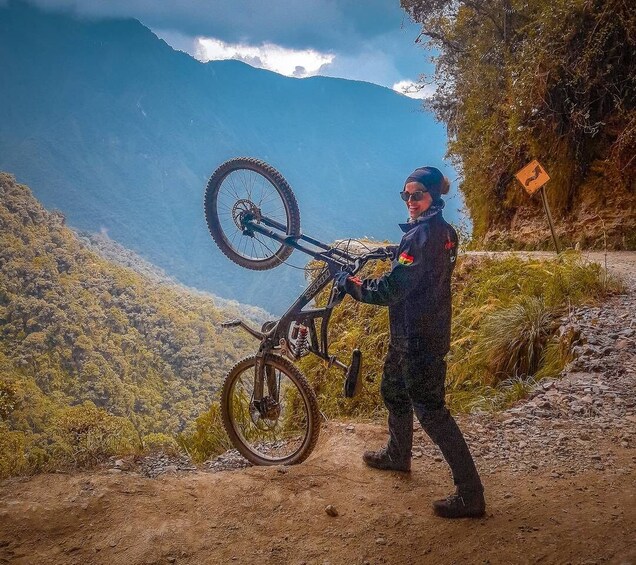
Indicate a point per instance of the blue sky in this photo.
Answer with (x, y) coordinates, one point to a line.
(370, 40)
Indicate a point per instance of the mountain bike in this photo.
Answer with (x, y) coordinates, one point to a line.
(268, 407)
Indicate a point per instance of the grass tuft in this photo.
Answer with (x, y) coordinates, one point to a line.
(512, 339)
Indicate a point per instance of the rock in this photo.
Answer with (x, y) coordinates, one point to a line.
(380, 541)
(331, 510)
(230, 460)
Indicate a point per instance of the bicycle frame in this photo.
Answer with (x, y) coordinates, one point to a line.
(274, 335)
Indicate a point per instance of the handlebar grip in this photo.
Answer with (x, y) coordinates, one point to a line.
(230, 323)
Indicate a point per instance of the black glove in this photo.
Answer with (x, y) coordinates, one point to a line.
(340, 281)
(346, 283)
(391, 250)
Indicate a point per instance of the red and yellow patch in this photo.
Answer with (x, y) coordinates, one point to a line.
(405, 259)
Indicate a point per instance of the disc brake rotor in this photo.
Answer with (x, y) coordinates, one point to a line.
(244, 209)
(267, 415)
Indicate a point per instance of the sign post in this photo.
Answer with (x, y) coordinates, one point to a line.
(533, 178)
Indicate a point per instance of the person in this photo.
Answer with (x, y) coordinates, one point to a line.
(417, 291)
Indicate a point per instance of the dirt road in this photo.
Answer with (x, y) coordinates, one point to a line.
(277, 515)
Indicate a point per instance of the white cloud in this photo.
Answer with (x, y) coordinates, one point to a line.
(414, 89)
(290, 62)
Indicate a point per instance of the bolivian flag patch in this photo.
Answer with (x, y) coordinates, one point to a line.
(405, 259)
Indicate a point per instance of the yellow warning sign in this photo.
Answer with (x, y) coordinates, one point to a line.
(532, 177)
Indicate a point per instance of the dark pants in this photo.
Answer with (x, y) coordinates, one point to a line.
(410, 378)
(414, 380)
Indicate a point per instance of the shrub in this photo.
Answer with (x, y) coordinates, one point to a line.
(12, 452)
(8, 399)
(207, 438)
(87, 435)
(512, 339)
(160, 442)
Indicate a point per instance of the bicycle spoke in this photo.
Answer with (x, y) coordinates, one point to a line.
(246, 192)
(277, 432)
(243, 191)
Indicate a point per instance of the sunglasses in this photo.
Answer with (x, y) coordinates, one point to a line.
(417, 195)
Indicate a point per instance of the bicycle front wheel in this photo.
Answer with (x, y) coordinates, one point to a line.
(246, 190)
(282, 427)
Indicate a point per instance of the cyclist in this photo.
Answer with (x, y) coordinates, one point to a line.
(417, 291)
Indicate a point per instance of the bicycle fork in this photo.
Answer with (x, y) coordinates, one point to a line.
(267, 403)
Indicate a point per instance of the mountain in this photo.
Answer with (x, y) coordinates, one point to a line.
(77, 328)
(119, 131)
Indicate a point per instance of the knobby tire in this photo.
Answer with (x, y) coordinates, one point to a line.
(310, 406)
(221, 181)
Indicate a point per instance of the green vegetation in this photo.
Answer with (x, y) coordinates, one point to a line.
(504, 334)
(506, 317)
(553, 80)
(206, 437)
(95, 360)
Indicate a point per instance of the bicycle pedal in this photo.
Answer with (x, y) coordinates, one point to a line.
(353, 384)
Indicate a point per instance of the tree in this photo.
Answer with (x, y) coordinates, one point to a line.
(547, 79)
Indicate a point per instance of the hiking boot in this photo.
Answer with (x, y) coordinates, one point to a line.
(470, 505)
(382, 460)
(396, 456)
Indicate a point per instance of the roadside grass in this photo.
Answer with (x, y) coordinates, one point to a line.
(77, 437)
(505, 339)
(506, 317)
(206, 437)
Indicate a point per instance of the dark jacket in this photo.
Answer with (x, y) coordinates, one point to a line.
(417, 290)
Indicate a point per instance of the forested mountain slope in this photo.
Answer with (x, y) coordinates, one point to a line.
(75, 328)
(553, 80)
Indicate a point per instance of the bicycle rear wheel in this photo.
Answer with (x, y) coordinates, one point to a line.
(245, 189)
(283, 429)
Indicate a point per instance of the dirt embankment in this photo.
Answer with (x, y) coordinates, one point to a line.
(559, 471)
